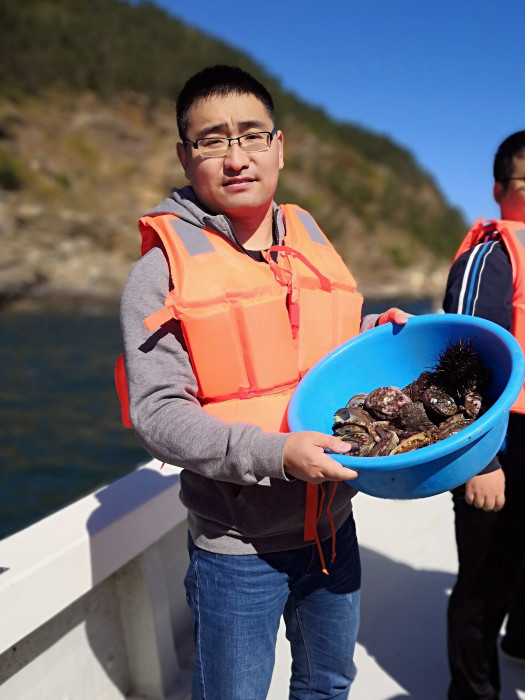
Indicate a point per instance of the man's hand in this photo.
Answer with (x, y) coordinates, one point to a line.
(393, 315)
(486, 491)
(304, 458)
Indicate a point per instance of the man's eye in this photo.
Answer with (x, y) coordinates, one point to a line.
(254, 137)
(210, 143)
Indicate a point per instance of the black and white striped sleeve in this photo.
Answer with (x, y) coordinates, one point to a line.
(480, 284)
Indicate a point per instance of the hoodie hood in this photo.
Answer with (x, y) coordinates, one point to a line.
(184, 204)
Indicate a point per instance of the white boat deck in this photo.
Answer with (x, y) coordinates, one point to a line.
(93, 608)
(409, 562)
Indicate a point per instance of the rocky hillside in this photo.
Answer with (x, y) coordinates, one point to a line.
(83, 153)
(77, 174)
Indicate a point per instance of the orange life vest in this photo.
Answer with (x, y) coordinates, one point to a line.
(253, 330)
(512, 234)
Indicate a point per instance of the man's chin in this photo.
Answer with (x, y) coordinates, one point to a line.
(242, 206)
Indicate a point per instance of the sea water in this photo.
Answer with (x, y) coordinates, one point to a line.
(61, 436)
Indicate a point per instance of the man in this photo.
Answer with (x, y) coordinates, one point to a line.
(486, 280)
(241, 297)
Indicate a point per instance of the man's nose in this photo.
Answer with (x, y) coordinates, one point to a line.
(235, 157)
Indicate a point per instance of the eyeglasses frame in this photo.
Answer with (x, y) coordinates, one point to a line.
(195, 144)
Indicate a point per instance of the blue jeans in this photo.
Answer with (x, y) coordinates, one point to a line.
(237, 602)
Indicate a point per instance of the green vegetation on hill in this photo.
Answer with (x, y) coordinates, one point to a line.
(366, 191)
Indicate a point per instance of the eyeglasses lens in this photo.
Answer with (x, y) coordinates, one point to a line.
(250, 143)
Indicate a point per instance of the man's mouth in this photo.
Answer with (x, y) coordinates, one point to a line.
(238, 181)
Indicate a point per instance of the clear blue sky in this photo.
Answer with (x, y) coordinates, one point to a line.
(442, 78)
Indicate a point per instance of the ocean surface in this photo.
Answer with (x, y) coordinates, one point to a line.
(60, 431)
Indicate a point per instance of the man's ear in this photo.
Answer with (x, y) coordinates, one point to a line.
(280, 144)
(183, 157)
(498, 192)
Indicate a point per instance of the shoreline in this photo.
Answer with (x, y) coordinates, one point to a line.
(110, 306)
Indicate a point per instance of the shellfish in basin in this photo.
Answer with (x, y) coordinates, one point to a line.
(437, 404)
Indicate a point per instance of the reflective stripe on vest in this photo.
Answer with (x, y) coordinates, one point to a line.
(512, 235)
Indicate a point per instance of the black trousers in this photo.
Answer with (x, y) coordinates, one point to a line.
(515, 627)
(491, 551)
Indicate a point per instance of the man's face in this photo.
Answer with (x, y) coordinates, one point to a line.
(239, 184)
(511, 198)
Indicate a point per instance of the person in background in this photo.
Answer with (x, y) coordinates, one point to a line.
(234, 299)
(487, 279)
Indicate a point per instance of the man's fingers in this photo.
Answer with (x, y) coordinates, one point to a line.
(394, 315)
(486, 502)
(334, 444)
(350, 474)
(333, 471)
(306, 456)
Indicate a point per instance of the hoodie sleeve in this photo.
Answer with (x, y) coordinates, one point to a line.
(165, 412)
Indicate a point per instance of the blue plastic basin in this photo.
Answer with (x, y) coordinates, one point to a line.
(395, 355)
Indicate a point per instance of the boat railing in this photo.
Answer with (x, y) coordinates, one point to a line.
(92, 599)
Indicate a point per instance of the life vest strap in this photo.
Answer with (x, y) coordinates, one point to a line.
(156, 320)
(310, 519)
(122, 391)
(289, 278)
(312, 516)
(326, 284)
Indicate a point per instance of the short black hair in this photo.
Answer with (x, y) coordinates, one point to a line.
(507, 151)
(219, 80)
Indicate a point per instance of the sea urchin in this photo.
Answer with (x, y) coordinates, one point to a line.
(459, 369)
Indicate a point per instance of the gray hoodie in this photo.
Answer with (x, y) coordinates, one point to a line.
(238, 497)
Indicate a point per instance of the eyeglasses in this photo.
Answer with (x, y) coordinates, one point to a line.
(217, 146)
